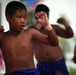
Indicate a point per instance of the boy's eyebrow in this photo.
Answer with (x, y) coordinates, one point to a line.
(19, 12)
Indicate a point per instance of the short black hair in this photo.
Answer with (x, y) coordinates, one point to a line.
(42, 7)
(12, 6)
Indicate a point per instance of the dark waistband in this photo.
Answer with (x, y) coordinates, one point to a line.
(62, 59)
(23, 71)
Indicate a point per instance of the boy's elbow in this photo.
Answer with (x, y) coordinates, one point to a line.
(55, 43)
(70, 36)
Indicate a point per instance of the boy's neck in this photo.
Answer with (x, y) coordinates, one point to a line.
(14, 33)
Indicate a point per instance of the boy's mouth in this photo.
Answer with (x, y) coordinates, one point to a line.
(22, 26)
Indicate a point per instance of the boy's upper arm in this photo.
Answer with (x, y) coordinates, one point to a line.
(60, 31)
(38, 36)
(1, 36)
(63, 32)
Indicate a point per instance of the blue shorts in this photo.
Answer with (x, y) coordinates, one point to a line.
(25, 72)
(50, 68)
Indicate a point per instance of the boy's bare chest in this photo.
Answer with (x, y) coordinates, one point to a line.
(16, 42)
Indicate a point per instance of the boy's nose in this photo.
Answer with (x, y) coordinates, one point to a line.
(23, 20)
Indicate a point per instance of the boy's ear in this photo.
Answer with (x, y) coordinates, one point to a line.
(8, 17)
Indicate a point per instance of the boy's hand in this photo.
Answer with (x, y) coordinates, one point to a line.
(62, 21)
(41, 18)
(1, 28)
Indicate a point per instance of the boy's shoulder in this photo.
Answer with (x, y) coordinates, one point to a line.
(2, 35)
(33, 26)
(30, 29)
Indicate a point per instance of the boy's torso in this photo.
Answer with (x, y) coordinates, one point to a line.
(45, 53)
(17, 51)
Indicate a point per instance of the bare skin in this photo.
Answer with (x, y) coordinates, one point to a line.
(16, 44)
(74, 57)
(47, 53)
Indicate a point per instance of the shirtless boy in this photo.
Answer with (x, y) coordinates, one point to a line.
(16, 43)
(50, 59)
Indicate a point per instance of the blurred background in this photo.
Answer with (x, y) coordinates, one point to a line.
(58, 8)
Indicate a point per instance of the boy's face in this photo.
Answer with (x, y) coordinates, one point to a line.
(18, 20)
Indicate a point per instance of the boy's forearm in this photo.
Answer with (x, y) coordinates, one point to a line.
(69, 31)
(52, 35)
(48, 27)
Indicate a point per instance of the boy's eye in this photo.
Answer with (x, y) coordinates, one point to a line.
(19, 16)
(25, 17)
